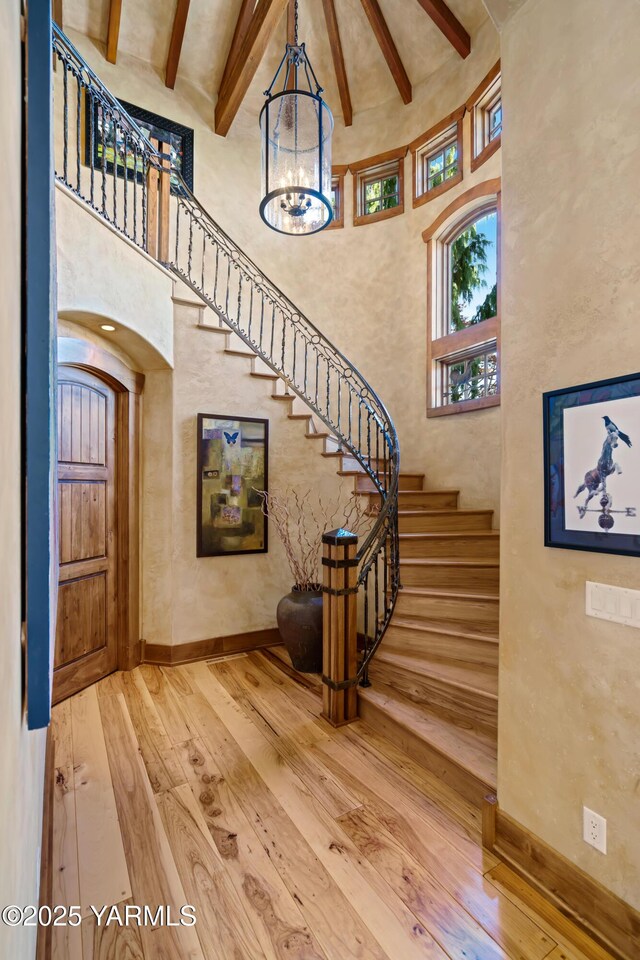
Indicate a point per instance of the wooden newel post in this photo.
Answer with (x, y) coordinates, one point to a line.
(153, 178)
(158, 197)
(340, 626)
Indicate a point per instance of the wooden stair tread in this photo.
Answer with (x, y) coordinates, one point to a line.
(450, 593)
(299, 416)
(477, 678)
(441, 511)
(445, 562)
(421, 493)
(317, 436)
(473, 750)
(240, 353)
(429, 626)
(263, 376)
(289, 397)
(449, 534)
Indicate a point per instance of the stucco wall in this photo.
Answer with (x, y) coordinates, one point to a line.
(569, 685)
(365, 287)
(21, 752)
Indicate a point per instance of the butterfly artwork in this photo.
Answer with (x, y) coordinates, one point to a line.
(231, 437)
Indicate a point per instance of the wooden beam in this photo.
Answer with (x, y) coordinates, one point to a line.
(338, 60)
(448, 24)
(240, 32)
(175, 45)
(56, 12)
(113, 32)
(263, 23)
(388, 47)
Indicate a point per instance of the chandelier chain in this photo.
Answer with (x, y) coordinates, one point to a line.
(295, 22)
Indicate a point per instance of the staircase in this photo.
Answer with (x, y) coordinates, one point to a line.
(433, 683)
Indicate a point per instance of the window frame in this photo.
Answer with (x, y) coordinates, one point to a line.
(483, 99)
(420, 152)
(442, 345)
(375, 168)
(337, 183)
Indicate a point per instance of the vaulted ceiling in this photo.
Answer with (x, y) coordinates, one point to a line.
(364, 52)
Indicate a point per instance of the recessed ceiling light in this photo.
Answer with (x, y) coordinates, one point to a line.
(108, 327)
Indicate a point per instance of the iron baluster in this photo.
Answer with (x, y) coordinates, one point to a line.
(284, 335)
(273, 328)
(261, 319)
(78, 104)
(293, 370)
(178, 209)
(317, 377)
(239, 296)
(92, 145)
(125, 147)
(135, 192)
(65, 141)
(145, 231)
(339, 402)
(226, 302)
(215, 280)
(115, 172)
(190, 254)
(250, 310)
(204, 250)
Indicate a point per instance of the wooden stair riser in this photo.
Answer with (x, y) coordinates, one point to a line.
(441, 646)
(431, 499)
(447, 521)
(484, 579)
(478, 616)
(364, 484)
(470, 708)
(451, 548)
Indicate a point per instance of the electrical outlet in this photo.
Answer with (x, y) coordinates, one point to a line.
(594, 829)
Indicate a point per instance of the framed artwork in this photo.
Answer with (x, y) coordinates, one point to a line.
(233, 460)
(104, 136)
(592, 466)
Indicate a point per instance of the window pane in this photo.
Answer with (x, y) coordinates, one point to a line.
(495, 120)
(471, 378)
(372, 190)
(435, 164)
(473, 291)
(372, 206)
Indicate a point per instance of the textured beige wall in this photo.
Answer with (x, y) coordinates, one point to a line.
(188, 598)
(21, 752)
(365, 287)
(569, 685)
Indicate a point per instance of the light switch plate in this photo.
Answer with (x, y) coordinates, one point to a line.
(618, 604)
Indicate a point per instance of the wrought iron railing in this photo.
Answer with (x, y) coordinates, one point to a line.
(104, 158)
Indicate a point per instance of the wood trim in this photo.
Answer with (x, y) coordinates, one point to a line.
(438, 128)
(388, 47)
(488, 151)
(167, 655)
(338, 173)
(113, 30)
(485, 189)
(463, 339)
(449, 25)
(601, 913)
(357, 169)
(264, 20)
(128, 384)
(464, 406)
(482, 86)
(44, 941)
(175, 44)
(338, 60)
(398, 153)
(80, 353)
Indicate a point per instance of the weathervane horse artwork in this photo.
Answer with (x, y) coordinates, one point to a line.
(595, 481)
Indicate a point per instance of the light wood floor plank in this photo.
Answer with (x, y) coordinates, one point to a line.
(275, 716)
(104, 878)
(154, 876)
(319, 897)
(111, 942)
(163, 769)
(579, 945)
(503, 921)
(276, 918)
(166, 702)
(66, 942)
(456, 931)
(223, 926)
(391, 924)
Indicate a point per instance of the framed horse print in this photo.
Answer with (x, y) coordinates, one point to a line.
(592, 466)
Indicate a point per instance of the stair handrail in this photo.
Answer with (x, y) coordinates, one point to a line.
(140, 163)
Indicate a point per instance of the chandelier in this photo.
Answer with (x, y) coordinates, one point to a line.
(296, 126)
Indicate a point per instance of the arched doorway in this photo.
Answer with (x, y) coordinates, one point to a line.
(97, 628)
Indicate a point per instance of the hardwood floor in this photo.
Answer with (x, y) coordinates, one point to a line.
(217, 785)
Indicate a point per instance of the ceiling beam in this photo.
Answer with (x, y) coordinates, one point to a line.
(448, 24)
(265, 19)
(113, 32)
(388, 47)
(241, 28)
(338, 60)
(175, 44)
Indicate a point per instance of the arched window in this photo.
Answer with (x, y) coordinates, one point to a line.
(464, 303)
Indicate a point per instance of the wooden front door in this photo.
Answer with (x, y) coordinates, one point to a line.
(87, 626)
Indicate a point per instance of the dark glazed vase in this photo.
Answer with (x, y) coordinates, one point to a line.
(299, 617)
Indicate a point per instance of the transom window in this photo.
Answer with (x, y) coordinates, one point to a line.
(378, 187)
(381, 191)
(485, 107)
(437, 158)
(471, 376)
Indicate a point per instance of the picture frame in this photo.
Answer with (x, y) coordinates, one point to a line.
(179, 138)
(232, 470)
(592, 466)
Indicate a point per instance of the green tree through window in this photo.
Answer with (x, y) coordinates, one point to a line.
(473, 270)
